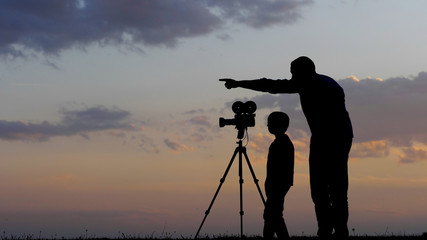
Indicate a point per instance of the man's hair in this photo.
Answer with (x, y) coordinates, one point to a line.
(279, 120)
(303, 65)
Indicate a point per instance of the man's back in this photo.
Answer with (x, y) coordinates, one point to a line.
(323, 104)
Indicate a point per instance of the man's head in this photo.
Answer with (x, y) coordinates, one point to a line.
(302, 67)
(278, 122)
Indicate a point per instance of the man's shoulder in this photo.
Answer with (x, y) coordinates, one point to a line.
(327, 79)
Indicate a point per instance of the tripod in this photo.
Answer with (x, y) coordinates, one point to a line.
(241, 151)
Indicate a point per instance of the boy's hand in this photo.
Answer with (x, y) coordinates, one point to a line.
(229, 83)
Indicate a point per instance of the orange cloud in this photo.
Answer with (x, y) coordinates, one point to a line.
(370, 149)
(412, 155)
(261, 142)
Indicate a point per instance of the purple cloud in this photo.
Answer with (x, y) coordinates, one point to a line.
(260, 14)
(49, 27)
(200, 120)
(73, 123)
(175, 146)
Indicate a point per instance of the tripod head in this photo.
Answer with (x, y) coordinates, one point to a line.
(241, 133)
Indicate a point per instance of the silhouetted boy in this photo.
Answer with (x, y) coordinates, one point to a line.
(280, 176)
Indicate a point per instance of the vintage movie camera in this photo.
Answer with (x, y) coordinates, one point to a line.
(244, 117)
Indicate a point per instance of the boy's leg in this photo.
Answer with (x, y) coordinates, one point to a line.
(269, 212)
(268, 231)
(277, 226)
(281, 229)
(273, 215)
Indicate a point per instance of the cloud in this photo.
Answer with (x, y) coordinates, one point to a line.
(198, 128)
(96, 118)
(201, 135)
(147, 145)
(288, 103)
(74, 122)
(49, 27)
(261, 143)
(412, 155)
(177, 147)
(391, 109)
(385, 113)
(200, 120)
(259, 14)
(370, 149)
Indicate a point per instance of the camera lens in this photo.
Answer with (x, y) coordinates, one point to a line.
(238, 107)
(250, 107)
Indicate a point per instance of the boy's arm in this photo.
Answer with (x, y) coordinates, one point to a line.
(262, 85)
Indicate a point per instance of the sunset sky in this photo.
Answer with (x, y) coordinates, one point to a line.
(109, 112)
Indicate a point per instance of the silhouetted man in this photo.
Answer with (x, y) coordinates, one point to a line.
(323, 104)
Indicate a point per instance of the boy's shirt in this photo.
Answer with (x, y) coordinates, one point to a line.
(280, 164)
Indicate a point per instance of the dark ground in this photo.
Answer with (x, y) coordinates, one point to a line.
(409, 237)
(415, 237)
(418, 237)
(424, 237)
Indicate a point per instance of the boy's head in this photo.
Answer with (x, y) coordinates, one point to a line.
(278, 122)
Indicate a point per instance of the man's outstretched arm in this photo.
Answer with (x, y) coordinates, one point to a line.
(262, 85)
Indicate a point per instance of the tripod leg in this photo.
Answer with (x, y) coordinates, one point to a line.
(222, 180)
(241, 191)
(253, 175)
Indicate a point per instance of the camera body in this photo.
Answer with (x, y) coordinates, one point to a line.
(244, 117)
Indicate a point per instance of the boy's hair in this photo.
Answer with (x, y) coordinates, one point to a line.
(280, 120)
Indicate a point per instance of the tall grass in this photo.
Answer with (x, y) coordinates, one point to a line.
(171, 236)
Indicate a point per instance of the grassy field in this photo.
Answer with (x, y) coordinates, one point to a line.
(30, 237)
